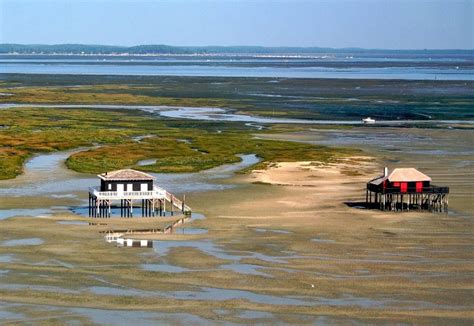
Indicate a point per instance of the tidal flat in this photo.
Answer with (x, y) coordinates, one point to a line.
(388, 268)
(324, 99)
(280, 244)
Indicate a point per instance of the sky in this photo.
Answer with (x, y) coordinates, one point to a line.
(383, 24)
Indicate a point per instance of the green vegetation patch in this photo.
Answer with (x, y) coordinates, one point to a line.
(11, 162)
(104, 94)
(121, 138)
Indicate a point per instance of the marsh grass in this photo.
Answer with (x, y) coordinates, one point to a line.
(110, 134)
(104, 94)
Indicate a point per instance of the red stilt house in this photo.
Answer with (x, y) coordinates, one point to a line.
(405, 189)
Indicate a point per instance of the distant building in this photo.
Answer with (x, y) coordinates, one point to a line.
(130, 187)
(405, 189)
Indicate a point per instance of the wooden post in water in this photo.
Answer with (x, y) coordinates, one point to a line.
(171, 206)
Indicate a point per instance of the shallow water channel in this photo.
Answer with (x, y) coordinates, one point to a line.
(220, 114)
(48, 187)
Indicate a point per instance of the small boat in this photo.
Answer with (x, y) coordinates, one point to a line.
(368, 120)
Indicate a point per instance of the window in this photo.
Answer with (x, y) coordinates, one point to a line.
(109, 186)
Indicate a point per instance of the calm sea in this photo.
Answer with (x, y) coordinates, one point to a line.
(350, 68)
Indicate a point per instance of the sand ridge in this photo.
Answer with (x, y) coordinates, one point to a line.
(314, 174)
(306, 190)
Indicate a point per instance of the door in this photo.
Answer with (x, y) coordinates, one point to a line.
(143, 187)
(120, 189)
(403, 187)
(419, 186)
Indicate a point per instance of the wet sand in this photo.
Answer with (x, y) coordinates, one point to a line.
(281, 247)
(47, 187)
(447, 155)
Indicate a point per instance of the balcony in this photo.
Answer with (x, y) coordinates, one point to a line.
(426, 190)
(156, 193)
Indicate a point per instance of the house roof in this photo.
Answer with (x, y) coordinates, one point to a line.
(402, 175)
(125, 174)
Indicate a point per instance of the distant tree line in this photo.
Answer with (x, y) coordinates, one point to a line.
(167, 49)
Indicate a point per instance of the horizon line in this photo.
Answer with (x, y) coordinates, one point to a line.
(243, 46)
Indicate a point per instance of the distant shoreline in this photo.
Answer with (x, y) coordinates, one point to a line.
(83, 49)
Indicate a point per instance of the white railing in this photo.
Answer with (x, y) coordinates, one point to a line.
(158, 190)
(173, 199)
(177, 202)
(156, 193)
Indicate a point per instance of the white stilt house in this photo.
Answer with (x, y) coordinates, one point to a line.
(128, 187)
